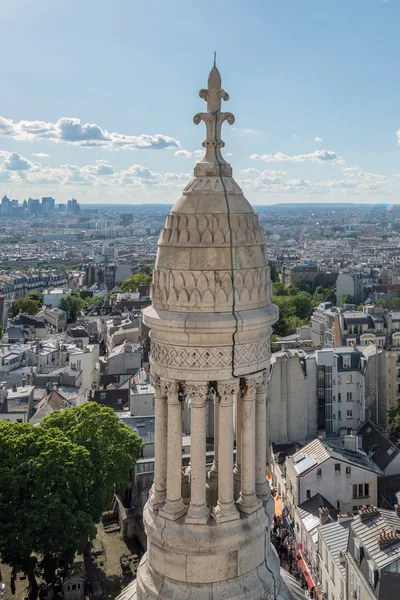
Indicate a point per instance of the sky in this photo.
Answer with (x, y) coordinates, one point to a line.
(97, 98)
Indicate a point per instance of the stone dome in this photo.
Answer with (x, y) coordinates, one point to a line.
(211, 291)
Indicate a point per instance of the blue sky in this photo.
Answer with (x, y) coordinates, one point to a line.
(97, 98)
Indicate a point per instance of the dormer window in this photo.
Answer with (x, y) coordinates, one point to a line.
(357, 550)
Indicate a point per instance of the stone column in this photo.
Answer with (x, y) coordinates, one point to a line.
(214, 468)
(174, 507)
(198, 510)
(238, 424)
(262, 487)
(248, 501)
(159, 490)
(226, 509)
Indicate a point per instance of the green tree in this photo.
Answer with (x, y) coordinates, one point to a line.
(304, 305)
(132, 283)
(113, 448)
(279, 289)
(1, 332)
(302, 285)
(347, 299)
(27, 306)
(395, 304)
(91, 302)
(43, 497)
(274, 274)
(394, 421)
(35, 295)
(382, 302)
(73, 306)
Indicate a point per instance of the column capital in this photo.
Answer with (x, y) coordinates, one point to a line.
(172, 388)
(226, 391)
(198, 393)
(159, 384)
(249, 385)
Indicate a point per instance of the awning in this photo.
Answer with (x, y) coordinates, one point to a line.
(306, 573)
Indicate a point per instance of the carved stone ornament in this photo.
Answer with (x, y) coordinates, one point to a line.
(227, 390)
(197, 393)
(249, 385)
(172, 387)
(214, 118)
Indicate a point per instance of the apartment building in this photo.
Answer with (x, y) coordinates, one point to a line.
(348, 478)
(318, 390)
(373, 555)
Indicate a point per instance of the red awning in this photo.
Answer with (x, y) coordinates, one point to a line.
(306, 573)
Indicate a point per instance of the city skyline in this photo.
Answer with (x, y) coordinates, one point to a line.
(108, 118)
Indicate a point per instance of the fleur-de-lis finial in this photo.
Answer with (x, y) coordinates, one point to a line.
(213, 119)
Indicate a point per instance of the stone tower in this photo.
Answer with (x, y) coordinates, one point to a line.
(210, 321)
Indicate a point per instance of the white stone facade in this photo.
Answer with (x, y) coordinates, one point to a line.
(210, 321)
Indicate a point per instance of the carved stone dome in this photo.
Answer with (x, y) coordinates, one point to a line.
(211, 292)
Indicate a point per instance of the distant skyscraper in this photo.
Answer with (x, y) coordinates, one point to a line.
(73, 207)
(5, 206)
(48, 205)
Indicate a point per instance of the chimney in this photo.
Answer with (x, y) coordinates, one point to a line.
(350, 442)
(3, 392)
(14, 387)
(28, 378)
(23, 381)
(344, 517)
(323, 514)
(366, 512)
(386, 538)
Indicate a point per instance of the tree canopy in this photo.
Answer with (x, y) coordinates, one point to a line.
(56, 480)
(395, 303)
(43, 496)
(35, 295)
(113, 448)
(26, 305)
(73, 306)
(132, 283)
(347, 299)
(296, 304)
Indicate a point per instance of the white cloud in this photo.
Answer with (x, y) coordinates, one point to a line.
(267, 173)
(184, 153)
(71, 131)
(244, 129)
(41, 155)
(317, 156)
(200, 153)
(318, 139)
(15, 162)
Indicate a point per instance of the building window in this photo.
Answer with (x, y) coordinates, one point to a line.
(339, 414)
(349, 414)
(371, 574)
(349, 397)
(337, 467)
(319, 472)
(338, 504)
(357, 550)
(361, 490)
(339, 397)
(347, 362)
(349, 378)
(339, 379)
(308, 494)
(348, 470)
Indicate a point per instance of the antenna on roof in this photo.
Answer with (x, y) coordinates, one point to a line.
(215, 58)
